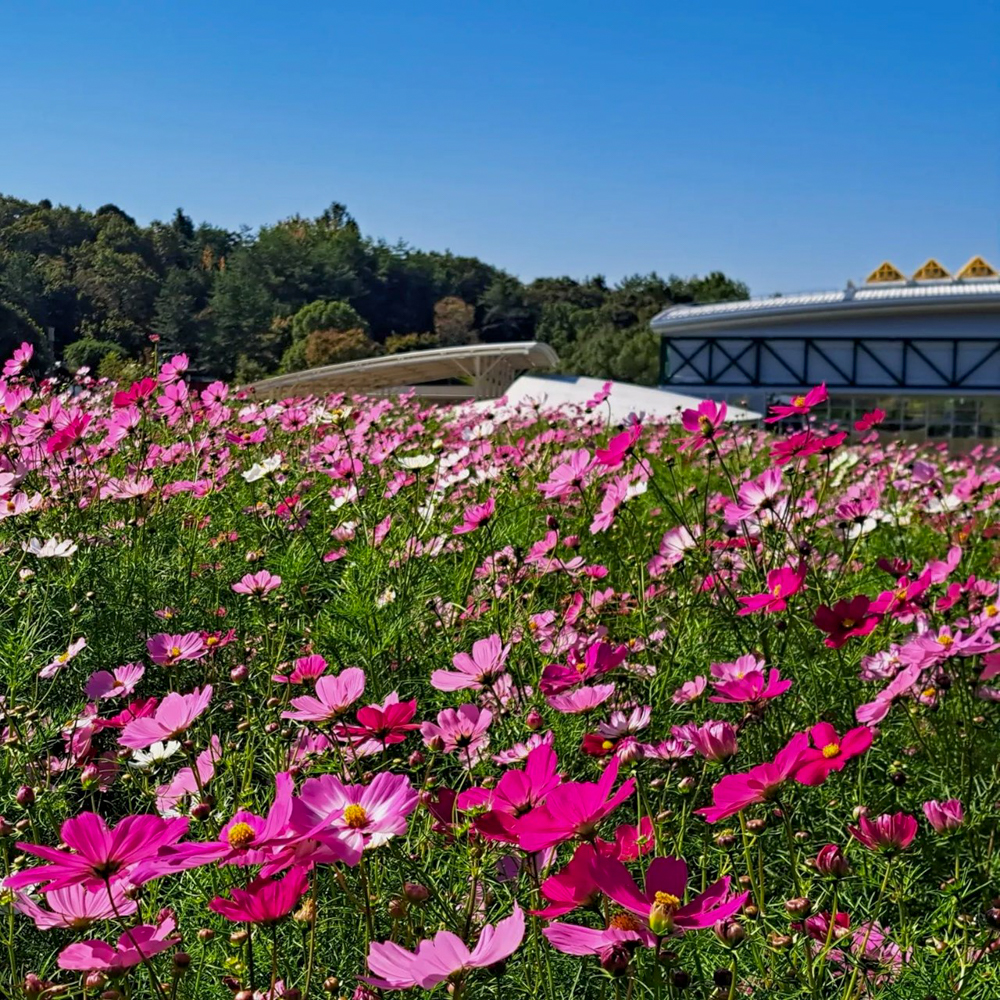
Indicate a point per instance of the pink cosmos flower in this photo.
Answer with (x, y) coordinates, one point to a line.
(76, 908)
(475, 671)
(307, 668)
(173, 716)
(335, 693)
(19, 360)
(713, 740)
(475, 517)
(576, 884)
(619, 447)
(96, 855)
(122, 681)
(515, 794)
(798, 404)
(631, 841)
(136, 945)
(889, 832)
(781, 584)
(584, 699)
(703, 423)
(613, 944)
(257, 584)
(362, 816)
(444, 956)
(944, 816)
(844, 619)
(573, 810)
(69, 434)
(570, 476)
(755, 496)
(738, 669)
(461, 731)
(876, 710)
(870, 420)
(264, 901)
(166, 650)
(690, 691)
(379, 726)
(600, 658)
(800, 445)
(185, 784)
(752, 687)
(49, 671)
(661, 903)
(830, 752)
(734, 792)
(173, 369)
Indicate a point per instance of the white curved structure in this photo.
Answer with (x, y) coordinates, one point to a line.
(485, 371)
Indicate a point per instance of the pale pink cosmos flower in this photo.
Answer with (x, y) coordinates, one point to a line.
(443, 956)
(19, 360)
(136, 945)
(166, 650)
(173, 369)
(363, 816)
(173, 716)
(462, 731)
(114, 684)
(738, 669)
(335, 693)
(713, 740)
(944, 816)
(583, 699)
(257, 584)
(50, 670)
(473, 671)
(76, 908)
(570, 476)
(690, 691)
(185, 784)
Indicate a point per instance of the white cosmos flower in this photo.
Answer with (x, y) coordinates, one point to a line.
(154, 754)
(52, 548)
(413, 462)
(261, 469)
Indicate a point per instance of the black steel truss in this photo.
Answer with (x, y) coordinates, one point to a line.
(736, 361)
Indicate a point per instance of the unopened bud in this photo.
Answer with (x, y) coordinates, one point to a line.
(415, 892)
(756, 825)
(239, 673)
(25, 796)
(533, 720)
(797, 907)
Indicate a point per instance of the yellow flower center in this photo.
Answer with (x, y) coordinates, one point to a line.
(776, 590)
(607, 745)
(991, 610)
(211, 640)
(799, 401)
(831, 750)
(901, 594)
(667, 899)
(848, 623)
(705, 425)
(175, 651)
(355, 817)
(62, 657)
(929, 692)
(240, 835)
(945, 640)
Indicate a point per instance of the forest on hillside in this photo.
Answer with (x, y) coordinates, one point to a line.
(299, 293)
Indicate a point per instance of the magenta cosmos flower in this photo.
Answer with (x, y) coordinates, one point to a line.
(734, 792)
(257, 584)
(75, 907)
(798, 404)
(461, 731)
(97, 856)
(781, 584)
(576, 884)
(335, 693)
(713, 740)
(661, 903)
(307, 668)
(475, 517)
(362, 816)
(172, 717)
(619, 447)
(166, 650)
(830, 752)
(473, 671)
(134, 946)
(944, 816)
(574, 810)
(379, 726)
(264, 901)
(889, 832)
(702, 423)
(752, 687)
(444, 956)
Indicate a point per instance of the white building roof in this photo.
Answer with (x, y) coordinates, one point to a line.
(898, 297)
(624, 399)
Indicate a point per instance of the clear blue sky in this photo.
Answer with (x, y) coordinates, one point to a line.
(793, 145)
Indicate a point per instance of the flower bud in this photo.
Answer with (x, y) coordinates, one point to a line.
(779, 941)
(686, 785)
(615, 960)
(756, 825)
(331, 984)
(90, 776)
(799, 906)
(181, 960)
(397, 909)
(730, 932)
(25, 796)
(239, 673)
(435, 744)
(6, 828)
(830, 861)
(206, 934)
(533, 720)
(201, 810)
(416, 759)
(415, 892)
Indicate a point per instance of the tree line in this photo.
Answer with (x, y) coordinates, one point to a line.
(300, 293)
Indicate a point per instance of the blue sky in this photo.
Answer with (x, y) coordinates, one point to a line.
(793, 145)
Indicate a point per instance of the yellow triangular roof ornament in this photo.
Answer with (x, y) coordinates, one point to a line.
(931, 270)
(883, 273)
(978, 268)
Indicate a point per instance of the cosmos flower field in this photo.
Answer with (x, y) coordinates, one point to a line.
(346, 697)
